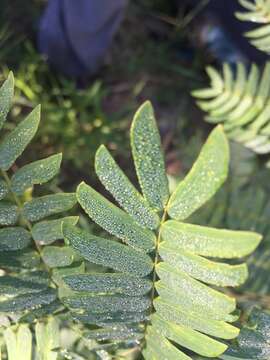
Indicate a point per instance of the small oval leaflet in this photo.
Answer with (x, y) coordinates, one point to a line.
(46, 232)
(148, 157)
(210, 242)
(8, 213)
(113, 219)
(204, 179)
(108, 253)
(16, 141)
(14, 238)
(117, 183)
(38, 172)
(109, 283)
(48, 205)
(6, 97)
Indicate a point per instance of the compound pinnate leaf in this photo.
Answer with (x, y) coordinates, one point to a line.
(107, 252)
(211, 242)
(38, 172)
(122, 189)
(114, 283)
(46, 232)
(113, 219)
(204, 179)
(148, 157)
(244, 111)
(6, 96)
(8, 214)
(47, 205)
(14, 238)
(16, 141)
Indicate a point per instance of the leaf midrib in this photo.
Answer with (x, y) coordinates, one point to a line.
(156, 258)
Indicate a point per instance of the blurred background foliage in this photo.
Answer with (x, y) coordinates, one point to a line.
(150, 58)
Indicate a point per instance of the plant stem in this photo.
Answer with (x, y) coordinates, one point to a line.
(156, 260)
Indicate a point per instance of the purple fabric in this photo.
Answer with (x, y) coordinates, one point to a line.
(75, 35)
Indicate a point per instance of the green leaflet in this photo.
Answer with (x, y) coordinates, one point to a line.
(202, 323)
(194, 292)
(23, 259)
(204, 179)
(148, 157)
(109, 283)
(75, 269)
(103, 304)
(189, 300)
(209, 241)
(115, 332)
(116, 182)
(23, 284)
(28, 301)
(46, 232)
(38, 172)
(6, 96)
(56, 256)
(208, 271)
(8, 214)
(14, 238)
(190, 339)
(223, 97)
(162, 349)
(41, 312)
(113, 219)
(19, 343)
(16, 141)
(216, 88)
(47, 205)
(48, 339)
(108, 252)
(104, 319)
(3, 189)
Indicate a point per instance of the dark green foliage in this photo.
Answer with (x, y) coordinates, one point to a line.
(253, 341)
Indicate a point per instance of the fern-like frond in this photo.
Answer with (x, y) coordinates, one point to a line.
(257, 11)
(155, 290)
(242, 104)
(26, 257)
